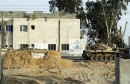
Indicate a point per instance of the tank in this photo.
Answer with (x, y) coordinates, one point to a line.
(101, 52)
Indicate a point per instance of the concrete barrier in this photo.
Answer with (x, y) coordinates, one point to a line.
(1, 69)
(123, 71)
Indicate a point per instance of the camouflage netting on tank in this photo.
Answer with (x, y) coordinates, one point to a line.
(24, 59)
(101, 47)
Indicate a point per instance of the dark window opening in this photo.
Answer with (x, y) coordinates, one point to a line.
(0, 28)
(32, 45)
(65, 46)
(5, 45)
(9, 28)
(23, 46)
(51, 46)
(32, 27)
(10, 45)
(23, 28)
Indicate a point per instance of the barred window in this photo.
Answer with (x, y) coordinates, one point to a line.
(0, 28)
(24, 46)
(65, 46)
(23, 28)
(9, 28)
(51, 46)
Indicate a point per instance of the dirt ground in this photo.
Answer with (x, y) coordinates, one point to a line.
(79, 73)
(20, 67)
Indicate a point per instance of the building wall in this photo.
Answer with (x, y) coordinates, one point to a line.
(129, 41)
(46, 32)
(6, 37)
(1, 33)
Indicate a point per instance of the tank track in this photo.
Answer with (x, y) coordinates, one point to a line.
(101, 56)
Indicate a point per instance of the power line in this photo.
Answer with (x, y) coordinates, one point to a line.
(24, 5)
(24, 8)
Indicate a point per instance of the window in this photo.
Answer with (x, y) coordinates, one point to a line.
(9, 28)
(0, 28)
(32, 27)
(65, 46)
(51, 46)
(23, 28)
(10, 45)
(24, 46)
(32, 45)
(5, 45)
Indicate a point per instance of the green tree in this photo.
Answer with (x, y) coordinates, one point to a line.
(103, 16)
(68, 6)
(100, 17)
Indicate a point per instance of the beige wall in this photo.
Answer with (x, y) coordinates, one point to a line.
(70, 29)
(6, 37)
(46, 31)
(129, 41)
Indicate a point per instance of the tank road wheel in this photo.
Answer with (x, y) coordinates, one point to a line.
(120, 55)
(97, 58)
(88, 54)
(102, 58)
(92, 57)
(111, 57)
(106, 58)
(114, 57)
(85, 57)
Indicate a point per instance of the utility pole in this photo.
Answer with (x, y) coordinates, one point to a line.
(1, 68)
(3, 34)
(3, 42)
(59, 35)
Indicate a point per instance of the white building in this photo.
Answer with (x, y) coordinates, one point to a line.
(61, 34)
(129, 43)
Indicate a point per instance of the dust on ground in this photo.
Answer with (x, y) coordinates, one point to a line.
(52, 69)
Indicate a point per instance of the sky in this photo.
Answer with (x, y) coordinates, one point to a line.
(25, 5)
(42, 5)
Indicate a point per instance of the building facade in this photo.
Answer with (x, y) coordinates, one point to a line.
(129, 43)
(41, 32)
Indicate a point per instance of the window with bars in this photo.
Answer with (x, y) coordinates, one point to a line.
(51, 46)
(24, 46)
(65, 46)
(0, 28)
(9, 28)
(23, 28)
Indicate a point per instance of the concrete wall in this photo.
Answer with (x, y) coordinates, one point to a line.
(123, 71)
(6, 37)
(46, 32)
(129, 43)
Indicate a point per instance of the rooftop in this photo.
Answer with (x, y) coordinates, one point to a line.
(39, 14)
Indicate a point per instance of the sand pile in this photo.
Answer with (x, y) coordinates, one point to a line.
(24, 59)
(18, 59)
(53, 59)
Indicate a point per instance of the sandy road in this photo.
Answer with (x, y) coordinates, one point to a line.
(82, 72)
